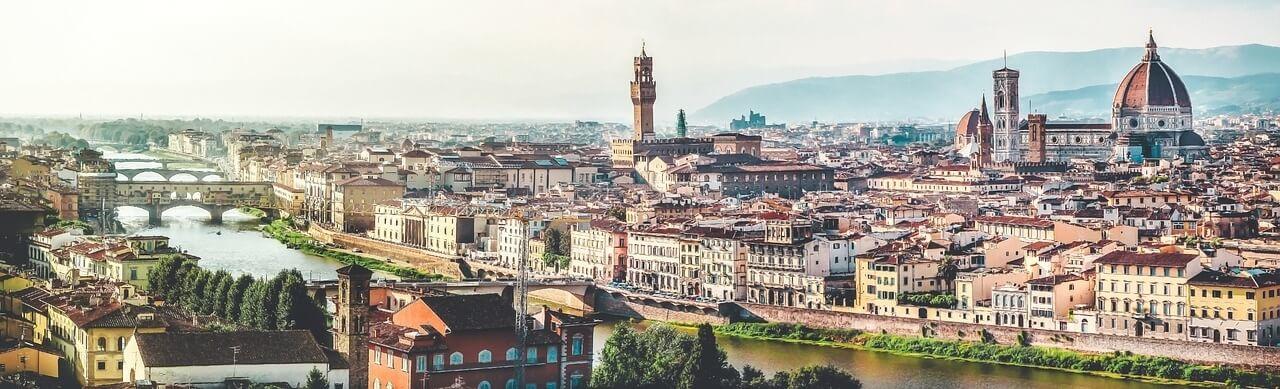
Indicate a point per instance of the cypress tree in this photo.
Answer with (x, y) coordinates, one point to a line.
(235, 295)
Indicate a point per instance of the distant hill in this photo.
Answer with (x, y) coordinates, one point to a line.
(1070, 76)
(1209, 95)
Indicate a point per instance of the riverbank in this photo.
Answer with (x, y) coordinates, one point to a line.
(282, 231)
(1115, 365)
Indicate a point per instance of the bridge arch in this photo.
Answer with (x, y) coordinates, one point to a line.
(148, 176)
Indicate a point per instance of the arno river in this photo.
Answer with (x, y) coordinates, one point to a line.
(238, 247)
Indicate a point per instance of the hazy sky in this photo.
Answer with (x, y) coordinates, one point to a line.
(529, 59)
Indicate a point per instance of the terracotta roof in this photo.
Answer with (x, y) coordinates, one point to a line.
(1015, 220)
(1151, 83)
(472, 312)
(214, 348)
(1146, 259)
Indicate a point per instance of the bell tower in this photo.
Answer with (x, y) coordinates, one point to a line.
(643, 93)
(1007, 141)
(351, 322)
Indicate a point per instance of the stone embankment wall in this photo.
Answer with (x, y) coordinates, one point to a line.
(1093, 343)
(398, 253)
(608, 304)
(1268, 357)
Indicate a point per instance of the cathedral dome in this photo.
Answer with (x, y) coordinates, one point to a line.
(1151, 83)
(968, 124)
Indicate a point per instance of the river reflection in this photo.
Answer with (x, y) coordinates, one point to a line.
(885, 370)
(236, 245)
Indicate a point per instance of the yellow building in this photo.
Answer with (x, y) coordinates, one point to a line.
(92, 334)
(29, 358)
(1145, 294)
(1240, 306)
(887, 273)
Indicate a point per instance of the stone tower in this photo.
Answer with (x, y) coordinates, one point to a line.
(350, 322)
(985, 136)
(643, 93)
(1035, 137)
(1007, 145)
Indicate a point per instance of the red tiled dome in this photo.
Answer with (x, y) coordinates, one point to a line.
(1151, 82)
(968, 124)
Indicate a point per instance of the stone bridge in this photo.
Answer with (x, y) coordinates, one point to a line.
(214, 197)
(165, 163)
(574, 293)
(132, 175)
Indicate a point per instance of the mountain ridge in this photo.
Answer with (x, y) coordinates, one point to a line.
(949, 93)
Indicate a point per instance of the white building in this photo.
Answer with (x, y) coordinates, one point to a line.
(212, 357)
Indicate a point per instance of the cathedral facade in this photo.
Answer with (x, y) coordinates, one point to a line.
(1151, 118)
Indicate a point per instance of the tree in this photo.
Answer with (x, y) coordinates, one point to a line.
(163, 276)
(619, 213)
(251, 305)
(235, 295)
(817, 377)
(194, 292)
(297, 310)
(621, 360)
(709, 367)
(217, 293)
(316, 380)
(551, 237)
(267, 318)
(948, 269)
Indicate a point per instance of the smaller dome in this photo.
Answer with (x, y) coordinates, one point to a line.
(1190, 138)
(968, 124)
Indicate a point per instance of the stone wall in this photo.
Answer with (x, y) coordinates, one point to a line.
(608, 304)
(397, 253)
(1094, 343)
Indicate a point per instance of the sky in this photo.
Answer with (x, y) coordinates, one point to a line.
(530, 60)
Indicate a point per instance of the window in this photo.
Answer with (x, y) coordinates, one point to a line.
(483, 385)
(438, 361)
(377, 383)
(511, 384)
(102, 344)
(551, 385)
(102, 365)
(120, 343)
(120, 365)
(404, 364)
(455, 358)
(421, 363)
(531, 355)
(553, 354)
(485, 356)
(377, 356)
(577, 344)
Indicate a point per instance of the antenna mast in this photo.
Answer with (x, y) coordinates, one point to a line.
(521, 295)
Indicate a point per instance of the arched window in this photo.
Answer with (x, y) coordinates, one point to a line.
(483, 385)
(553, 354)
(455, 358)
(120, 343)
(513, 354)
(377, 383)
(485, 356)
(102, 344)
(511, 384)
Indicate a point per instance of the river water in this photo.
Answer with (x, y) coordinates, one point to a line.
(241, 248)
(890, 371)
(237, 246)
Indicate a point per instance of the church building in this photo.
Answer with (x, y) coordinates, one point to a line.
(1150, 119)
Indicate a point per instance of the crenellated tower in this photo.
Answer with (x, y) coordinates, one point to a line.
(644, 91)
